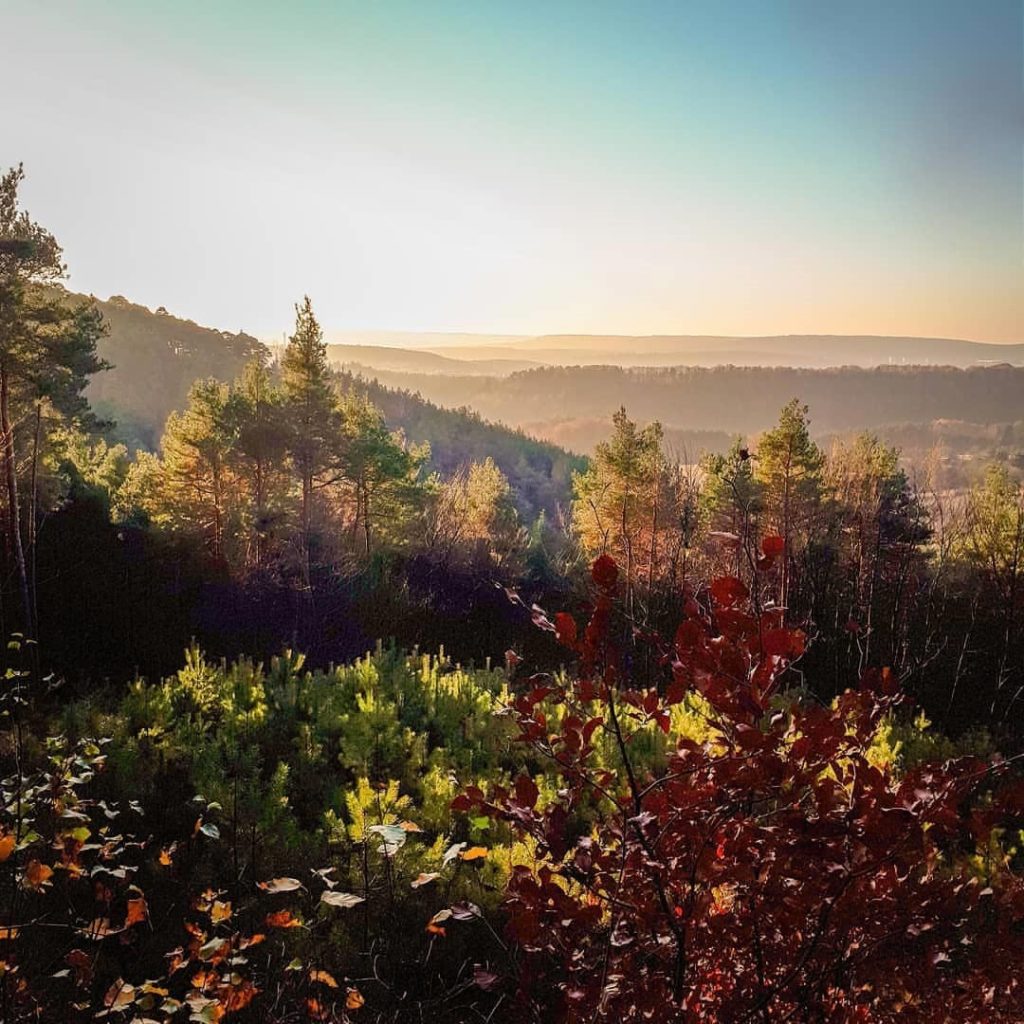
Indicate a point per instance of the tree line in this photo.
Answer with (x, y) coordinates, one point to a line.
(879, 566)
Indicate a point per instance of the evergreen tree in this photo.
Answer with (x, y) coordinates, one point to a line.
(379, 470)
(255, 418)
(197, 489)
(789, 469)
(47, 353)
(731, 501)
(617, 500)
(311, 414)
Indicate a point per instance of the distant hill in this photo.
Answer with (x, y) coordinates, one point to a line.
(421, 361)
(156, 357)
(422, 339)
(540, 473)
(733, 399)
(782, 350)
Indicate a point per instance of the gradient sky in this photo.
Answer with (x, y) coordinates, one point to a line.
(719, 167)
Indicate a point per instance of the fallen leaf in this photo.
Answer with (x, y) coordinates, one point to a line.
(280, 885)
(37, 875)
(282, 919)
(137, 912)
(341, 899)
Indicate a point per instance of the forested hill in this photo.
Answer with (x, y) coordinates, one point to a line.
(540, 473)
(155, 359)
(734, 398)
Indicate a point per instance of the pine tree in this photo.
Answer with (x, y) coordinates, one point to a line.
(617, 500)
(254, 414)
(197, 489)
(380, 471)
(47, 353)
(789, 469)
(731, 501)
(311, 414)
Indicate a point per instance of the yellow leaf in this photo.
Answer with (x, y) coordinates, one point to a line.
(324, 978)
(220, 911)
(474, 853)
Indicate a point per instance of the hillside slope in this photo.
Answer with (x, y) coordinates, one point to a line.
(732, 398)
(155, 358)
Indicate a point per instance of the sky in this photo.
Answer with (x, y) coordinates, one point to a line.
(734, 167)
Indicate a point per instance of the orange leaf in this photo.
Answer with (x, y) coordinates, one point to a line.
(7, 844)
(283, 919)
(474, 853)
(324, 978)
(137, 911)
(37, 875)
(238, 997)
(354, 1000)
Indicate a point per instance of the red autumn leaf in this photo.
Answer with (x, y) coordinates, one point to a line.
(526, 790)
(604, 572)
(728, 591)
(565, 629)
(773, 545)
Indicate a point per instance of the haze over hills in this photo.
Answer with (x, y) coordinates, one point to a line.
(422, 361)
(509, 380)
(680, 350)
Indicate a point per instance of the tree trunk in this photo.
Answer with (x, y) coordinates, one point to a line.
(307, 500)
(14, 519)
(33, 507)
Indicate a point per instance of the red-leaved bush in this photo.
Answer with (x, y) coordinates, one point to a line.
(771, 873)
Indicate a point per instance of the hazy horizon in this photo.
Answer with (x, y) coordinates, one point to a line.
(744, 169)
